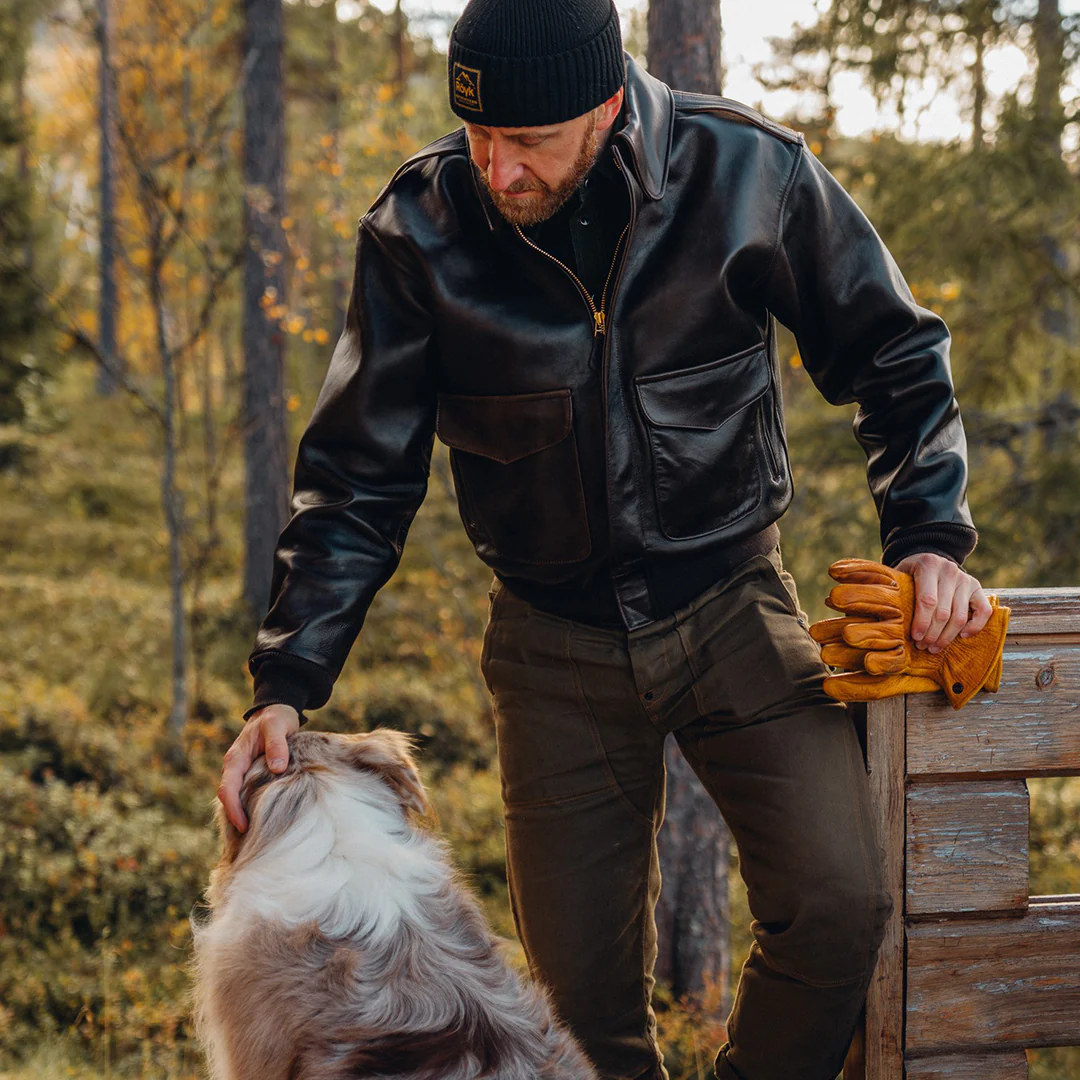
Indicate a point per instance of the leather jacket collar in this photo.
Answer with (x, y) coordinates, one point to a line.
(647, 132)
(650, 121)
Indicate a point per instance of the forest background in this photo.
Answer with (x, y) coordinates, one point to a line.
(170, 294)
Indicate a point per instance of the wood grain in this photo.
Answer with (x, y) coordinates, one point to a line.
(1012, 1065)
(884, 1030)
(1030, 727)
(1008, 983)
(1041, 611)
(967, 846)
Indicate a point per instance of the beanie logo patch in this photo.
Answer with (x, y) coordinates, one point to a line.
(467, 87)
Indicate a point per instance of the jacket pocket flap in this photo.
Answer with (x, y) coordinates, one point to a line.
(703, 397)
(504, 428)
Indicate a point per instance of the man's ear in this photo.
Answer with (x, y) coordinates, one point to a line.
(609, 110)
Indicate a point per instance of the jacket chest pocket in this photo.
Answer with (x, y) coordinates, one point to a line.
(517, 475)
(708, 441)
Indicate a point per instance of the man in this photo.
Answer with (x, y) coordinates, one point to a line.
(576, 291)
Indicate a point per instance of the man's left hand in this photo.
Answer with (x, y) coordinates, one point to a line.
(948, 601)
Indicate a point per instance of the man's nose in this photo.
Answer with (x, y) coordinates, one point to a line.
(503, 167)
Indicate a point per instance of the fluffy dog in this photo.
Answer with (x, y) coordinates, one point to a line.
(340, 942)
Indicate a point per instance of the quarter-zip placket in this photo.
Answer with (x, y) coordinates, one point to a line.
(598, 314)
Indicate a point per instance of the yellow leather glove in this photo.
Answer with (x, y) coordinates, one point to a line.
(854, 683)
(875, 635)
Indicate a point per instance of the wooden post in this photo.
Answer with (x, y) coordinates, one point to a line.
(972, 970)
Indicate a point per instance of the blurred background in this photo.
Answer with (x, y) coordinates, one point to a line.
(180, 182)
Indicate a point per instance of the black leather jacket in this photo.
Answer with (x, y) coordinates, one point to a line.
(456, 325)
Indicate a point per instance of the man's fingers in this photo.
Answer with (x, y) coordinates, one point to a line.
(981, 610)
(959, 617)
(277, 748)
(238, 760)
(927, 602)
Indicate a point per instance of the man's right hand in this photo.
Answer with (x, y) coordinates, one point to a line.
(264, 732)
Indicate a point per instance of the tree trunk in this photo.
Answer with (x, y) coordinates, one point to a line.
(266, 494)
(978, 78)
(340, 278)
(692, 914)
(1049, 75)
(174, 517)
(684, 44)
(106, 382)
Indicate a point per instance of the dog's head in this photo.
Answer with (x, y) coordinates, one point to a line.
(274, 801)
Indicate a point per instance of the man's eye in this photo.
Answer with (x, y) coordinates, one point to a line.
(530, 142)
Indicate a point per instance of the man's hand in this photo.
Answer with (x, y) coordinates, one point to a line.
(948, 601)
(265, 732)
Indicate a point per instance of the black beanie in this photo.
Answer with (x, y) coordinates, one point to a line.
(524, 63)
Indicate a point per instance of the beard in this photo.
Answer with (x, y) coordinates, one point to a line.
(545, 200)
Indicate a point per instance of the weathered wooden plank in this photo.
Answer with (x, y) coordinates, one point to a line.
(1041, 611)
(884, 1028)
(1011, 1065)
(967, 846)
(1030, 727)
(1008, 983)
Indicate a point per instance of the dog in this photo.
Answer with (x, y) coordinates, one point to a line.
(338, 941)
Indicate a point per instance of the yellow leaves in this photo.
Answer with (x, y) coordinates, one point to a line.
(815, 147)
(278, 311)
(795, 361)
(408, 109)
(326, 141)
(384, 93)
(321, 336)
(294, 324)
(293, 402)
(343, 228)
(337, 169)
(303, 262)
(933, 295)
(287, 223)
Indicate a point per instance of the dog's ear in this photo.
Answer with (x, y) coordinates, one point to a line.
(231, 837)
(389, 753)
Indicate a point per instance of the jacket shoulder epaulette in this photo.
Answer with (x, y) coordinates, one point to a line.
(450, 143)
(685, 101)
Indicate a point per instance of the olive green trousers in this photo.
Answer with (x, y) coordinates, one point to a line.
(581, 715)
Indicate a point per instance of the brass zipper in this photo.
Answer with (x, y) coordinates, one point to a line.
(599, 318)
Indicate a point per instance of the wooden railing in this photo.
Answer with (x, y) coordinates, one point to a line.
(973, 969)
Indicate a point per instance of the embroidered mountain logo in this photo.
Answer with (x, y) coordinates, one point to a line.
(467, 87)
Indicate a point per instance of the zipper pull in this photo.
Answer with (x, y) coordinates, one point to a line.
(599, 327)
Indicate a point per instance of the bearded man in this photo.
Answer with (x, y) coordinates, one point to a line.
(577, 291)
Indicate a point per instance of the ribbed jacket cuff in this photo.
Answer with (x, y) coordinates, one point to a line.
(284, 679)
(949, 539)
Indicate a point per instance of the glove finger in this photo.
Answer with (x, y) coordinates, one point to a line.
(861, 571)
(873, 635)
(843, 656)
(858, 686)
(832, 630)
(862, 687)
(865, 600)
(886, 661)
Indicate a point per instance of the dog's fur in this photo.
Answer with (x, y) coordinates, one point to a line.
(341, 943)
